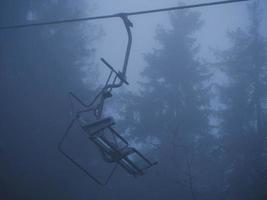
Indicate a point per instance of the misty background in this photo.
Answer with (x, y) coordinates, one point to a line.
(196, 100)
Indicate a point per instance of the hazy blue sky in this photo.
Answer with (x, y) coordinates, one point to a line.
(218, 20)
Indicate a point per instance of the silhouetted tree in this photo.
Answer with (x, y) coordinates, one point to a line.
(39, 66)
(244, 115)
(173, 106)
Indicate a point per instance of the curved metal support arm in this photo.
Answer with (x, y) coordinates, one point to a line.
(128, 24)
(122, 75)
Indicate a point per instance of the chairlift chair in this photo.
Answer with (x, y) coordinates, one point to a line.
(116, 149)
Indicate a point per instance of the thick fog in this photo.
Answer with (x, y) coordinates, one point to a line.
(196, 101)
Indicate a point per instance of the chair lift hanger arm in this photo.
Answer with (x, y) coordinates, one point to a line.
(122, 75)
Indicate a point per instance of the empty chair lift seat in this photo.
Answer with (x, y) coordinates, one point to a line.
(115, 148)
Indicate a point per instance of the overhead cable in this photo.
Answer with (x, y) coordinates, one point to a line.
(64, 21)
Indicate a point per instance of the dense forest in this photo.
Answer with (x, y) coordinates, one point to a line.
(209, 135)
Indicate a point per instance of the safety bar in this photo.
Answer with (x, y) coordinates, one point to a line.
(119, 74)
